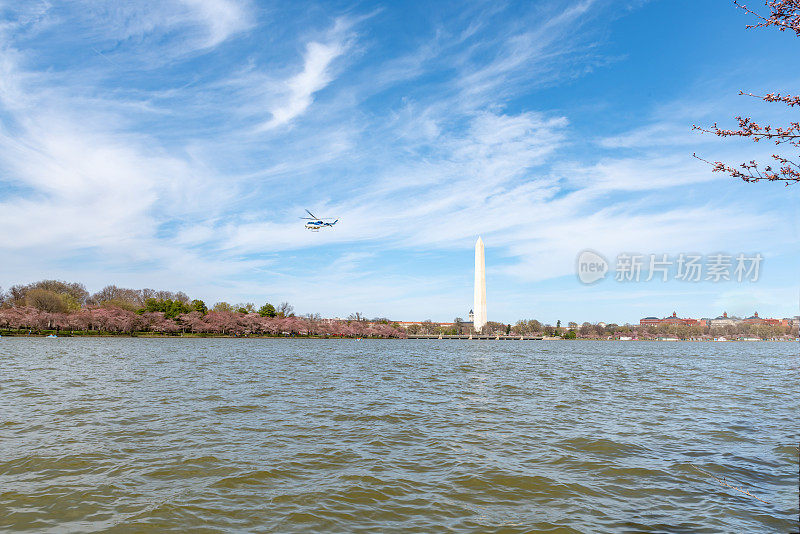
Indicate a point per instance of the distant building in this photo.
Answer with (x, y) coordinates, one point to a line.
(406, 324)
(672, 319)
(790, 321)
(464, 325)
(755, 319)
(723, 320)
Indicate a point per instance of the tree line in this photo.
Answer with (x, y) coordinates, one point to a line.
(67, 306)
(572, 330)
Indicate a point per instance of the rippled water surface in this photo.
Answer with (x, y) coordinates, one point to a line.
(285, 435)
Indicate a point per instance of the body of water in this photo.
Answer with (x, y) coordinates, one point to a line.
(290, 435)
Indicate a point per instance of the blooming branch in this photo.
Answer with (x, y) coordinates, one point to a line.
(784, 14)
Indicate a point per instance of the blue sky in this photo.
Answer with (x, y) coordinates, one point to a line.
(173, 144)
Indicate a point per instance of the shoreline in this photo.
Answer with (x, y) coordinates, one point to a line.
(150, 335)
(187, 335)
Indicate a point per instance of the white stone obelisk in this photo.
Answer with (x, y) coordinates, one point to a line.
(479, 306)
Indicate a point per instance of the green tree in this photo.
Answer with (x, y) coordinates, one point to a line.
(70, 302)
(267, 310)
(170, 308)
(245, 308)
(175, 308)
(199, 306)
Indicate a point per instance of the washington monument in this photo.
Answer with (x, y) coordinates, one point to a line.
(479, 306)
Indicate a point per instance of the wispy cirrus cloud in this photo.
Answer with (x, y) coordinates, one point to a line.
(298, 91)
(291, 97)
(221, 18)
(185, 25)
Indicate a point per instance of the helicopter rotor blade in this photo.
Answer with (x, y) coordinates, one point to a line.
(315, 217)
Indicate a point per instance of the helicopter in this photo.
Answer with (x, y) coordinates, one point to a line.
(315, 223)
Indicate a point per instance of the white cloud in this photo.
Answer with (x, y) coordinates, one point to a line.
(162, 30)
(79, 184)
(548, 249)
(643, 173)
(201, 24)
(221, 18)
(298, 91)
(534, 51)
